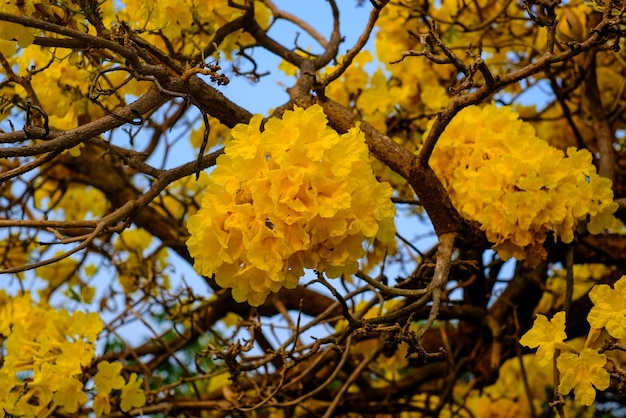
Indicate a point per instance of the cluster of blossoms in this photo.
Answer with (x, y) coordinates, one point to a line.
(53, 346)
(297, 195)
(585, 369)
(53, 349)
(46, 353)
(178, 20)
(61, 89)
(516, 185)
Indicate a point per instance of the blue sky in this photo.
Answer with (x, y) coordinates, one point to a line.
(270, 92)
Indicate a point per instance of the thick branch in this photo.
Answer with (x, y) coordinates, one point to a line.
(147, 103)
(601, 124)
(422, 178)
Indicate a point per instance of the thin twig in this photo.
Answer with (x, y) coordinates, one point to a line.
(358, 46)
(353, 376)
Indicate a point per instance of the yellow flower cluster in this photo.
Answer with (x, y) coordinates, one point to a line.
(515, 185)
(69, 276)
(51, 347)
(178, 22)
(73, 201)
(417, 85)
(297, 195)
(62, 88)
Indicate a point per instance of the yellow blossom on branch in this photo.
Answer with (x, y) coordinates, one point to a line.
(176, 21)
(132, 395)
(70, 395)
(609, 310)
(297, 195)
(53, 346)
(581, 373)
(546, 335)
(108, 377)
(515, 185)
(101, 404)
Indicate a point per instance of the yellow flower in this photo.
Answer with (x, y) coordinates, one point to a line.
(609, 310)
(581, 373)
(74, 355)
(132, 395)
(101, 405)
(545, 335)
(85, 326)
(70, 396)
(108, 377)
(297, 195)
